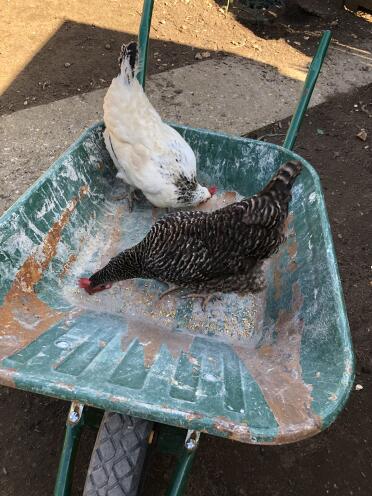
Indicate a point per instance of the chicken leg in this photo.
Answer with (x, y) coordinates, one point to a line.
(131, 197)
(171, 289)
(205, 297)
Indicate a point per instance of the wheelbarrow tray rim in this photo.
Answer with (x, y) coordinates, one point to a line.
(189, 419)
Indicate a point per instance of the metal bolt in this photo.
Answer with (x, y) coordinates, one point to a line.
(190, 444)
(76, 412)
(192, 440)
(74, 417)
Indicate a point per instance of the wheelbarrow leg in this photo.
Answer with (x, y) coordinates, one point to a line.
(74, 425)
(184, 464)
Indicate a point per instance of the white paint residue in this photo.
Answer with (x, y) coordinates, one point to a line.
(47, 207)
(63, 251)
(210, 378)
(69, 169)
(8, 340)
(30, 324)
(19, 241)
(64, 345)
(37, 231)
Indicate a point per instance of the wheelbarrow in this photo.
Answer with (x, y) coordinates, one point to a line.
(271, 368)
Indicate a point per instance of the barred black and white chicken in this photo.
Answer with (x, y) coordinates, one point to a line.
(209, 252)
(150, 155)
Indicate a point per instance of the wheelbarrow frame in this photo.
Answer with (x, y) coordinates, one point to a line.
(169, 439)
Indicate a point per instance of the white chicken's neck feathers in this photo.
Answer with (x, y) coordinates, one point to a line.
(127, 75)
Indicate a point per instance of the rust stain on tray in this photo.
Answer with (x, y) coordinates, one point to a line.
(291, 248)
(68, 264)
(111, 250)
(7, 377)
(23, 316)
(277, 282)
(276, 368)
(234, 431)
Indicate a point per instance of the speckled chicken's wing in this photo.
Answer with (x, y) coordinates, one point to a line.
(263, 219)
(263, 211)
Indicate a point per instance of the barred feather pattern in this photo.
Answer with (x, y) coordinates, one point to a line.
(221, 250)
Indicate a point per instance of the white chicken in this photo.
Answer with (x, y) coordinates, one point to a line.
(150, 155)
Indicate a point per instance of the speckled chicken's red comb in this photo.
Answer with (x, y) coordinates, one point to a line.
(212, 190)
(84, 283)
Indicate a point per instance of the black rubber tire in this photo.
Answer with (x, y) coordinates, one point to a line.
(118, 456)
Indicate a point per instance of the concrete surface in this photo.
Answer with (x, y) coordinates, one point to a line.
(238, 95)
(234, 95)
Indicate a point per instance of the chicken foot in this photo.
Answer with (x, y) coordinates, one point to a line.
(205, 297)
(251, 282)
(171, 289)
(131, 197)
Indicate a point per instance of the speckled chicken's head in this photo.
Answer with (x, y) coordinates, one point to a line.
(124, 266)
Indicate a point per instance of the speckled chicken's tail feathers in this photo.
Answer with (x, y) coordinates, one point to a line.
(282, 182)
(128, 61)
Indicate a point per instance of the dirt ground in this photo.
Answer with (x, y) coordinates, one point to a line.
(336, 462)
(51, 50)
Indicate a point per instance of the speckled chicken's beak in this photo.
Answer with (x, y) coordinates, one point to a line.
(86, 284)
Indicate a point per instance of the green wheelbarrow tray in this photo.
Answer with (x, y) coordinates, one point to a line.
(270, 368)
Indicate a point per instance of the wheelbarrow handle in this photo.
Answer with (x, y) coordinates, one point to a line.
(311, 78)
(144, 34)
(307, 90)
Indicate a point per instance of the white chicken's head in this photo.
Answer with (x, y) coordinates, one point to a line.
(180, 193)
(200, 195)
(191, 193)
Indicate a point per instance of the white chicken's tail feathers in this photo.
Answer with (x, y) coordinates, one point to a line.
(128, 62)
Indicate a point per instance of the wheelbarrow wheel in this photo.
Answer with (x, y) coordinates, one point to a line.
(118, 456)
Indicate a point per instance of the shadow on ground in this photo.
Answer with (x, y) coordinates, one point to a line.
(80, 58)
(301, 22)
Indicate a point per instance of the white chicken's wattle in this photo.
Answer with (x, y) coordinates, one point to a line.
(149, 155)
